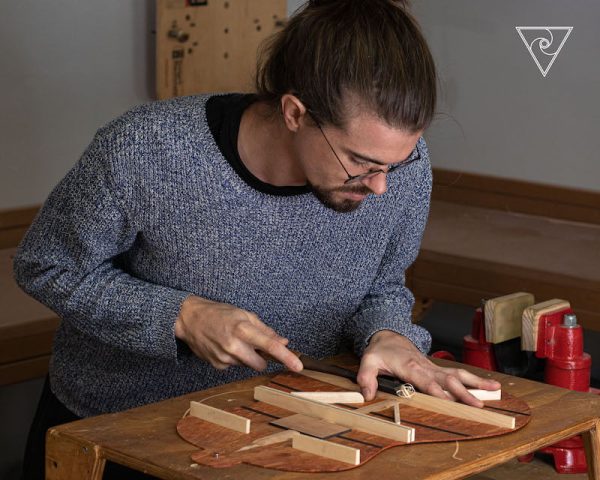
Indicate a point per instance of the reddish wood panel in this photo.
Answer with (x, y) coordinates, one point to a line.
(221, 446)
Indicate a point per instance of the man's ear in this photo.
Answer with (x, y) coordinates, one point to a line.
(294, 112)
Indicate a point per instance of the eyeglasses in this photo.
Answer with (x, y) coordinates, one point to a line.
(414, 156)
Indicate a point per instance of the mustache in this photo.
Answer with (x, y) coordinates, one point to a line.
(358, 189)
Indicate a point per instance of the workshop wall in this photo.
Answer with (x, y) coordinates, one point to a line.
(498, 115)
(68, 67)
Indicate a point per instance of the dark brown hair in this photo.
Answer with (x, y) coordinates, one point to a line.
(332, 49)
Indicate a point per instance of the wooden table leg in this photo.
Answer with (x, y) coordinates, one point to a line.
(69, 459)
(591, 441)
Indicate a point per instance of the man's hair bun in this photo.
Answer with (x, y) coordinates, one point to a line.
(320, 3)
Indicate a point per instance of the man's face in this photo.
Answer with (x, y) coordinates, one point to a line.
(367, 144)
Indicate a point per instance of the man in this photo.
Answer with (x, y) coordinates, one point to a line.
(197, 233)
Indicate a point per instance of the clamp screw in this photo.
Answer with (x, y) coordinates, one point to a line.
(569, 320)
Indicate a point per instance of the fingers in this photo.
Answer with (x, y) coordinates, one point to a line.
(367, 377)
(452, 383)
(225, 335)
(265, 329)
(276, 349)
(253, 341)
(458, 391)
(391, 354)
(473, 381)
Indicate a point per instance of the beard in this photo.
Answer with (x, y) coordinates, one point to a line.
(327, 196)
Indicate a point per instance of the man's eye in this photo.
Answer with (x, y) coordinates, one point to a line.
(358, 161)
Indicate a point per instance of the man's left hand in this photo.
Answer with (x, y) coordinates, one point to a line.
(389, 353)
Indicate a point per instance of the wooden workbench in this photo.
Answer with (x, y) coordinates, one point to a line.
(26, 329)
(145, 439)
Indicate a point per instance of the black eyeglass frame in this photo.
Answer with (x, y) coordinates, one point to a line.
(371, 173)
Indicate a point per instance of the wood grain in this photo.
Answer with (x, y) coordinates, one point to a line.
(220, 417)
(222, 448)
(326, 449)
(331, 397)
(518, 196)
(144, 438)
(26, 329)
(531, 317)
(14, 223)
(310, 426)
(220, 54)
(503, 316)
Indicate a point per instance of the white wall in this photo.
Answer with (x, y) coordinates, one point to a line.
(69, 66)
(498, 114)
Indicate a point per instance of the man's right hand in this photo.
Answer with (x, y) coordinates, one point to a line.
(225, 335)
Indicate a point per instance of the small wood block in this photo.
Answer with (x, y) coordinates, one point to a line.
(531, 317)
(327, 449)
(397, 414)
(310, 426)
(220, 417)
(332, 397)
(484, 395)
(503, 316)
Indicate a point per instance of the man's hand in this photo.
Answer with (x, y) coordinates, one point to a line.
(225, 335)
(389, 353)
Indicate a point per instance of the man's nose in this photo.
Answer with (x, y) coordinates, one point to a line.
(377, 183)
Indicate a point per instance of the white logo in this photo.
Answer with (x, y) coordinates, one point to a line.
(539, 41)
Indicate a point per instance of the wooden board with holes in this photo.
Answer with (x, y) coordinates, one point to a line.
(211, 46)
(222, 447)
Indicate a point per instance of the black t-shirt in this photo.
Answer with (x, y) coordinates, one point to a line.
(224, 114)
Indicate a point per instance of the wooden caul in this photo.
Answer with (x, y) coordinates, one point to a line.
(268, 446)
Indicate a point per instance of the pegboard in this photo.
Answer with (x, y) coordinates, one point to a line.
(211, 46)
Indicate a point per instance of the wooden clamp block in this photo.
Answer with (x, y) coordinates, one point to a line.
(220, 417)
(531, 318)
(327, 449)
(334, 414)
(503, 316)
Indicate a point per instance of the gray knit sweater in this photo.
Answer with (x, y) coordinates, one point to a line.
(153, 212)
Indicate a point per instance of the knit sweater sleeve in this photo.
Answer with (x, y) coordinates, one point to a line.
(388, 305)
(68, 260)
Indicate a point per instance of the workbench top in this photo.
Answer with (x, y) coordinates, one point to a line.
(145, 439)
